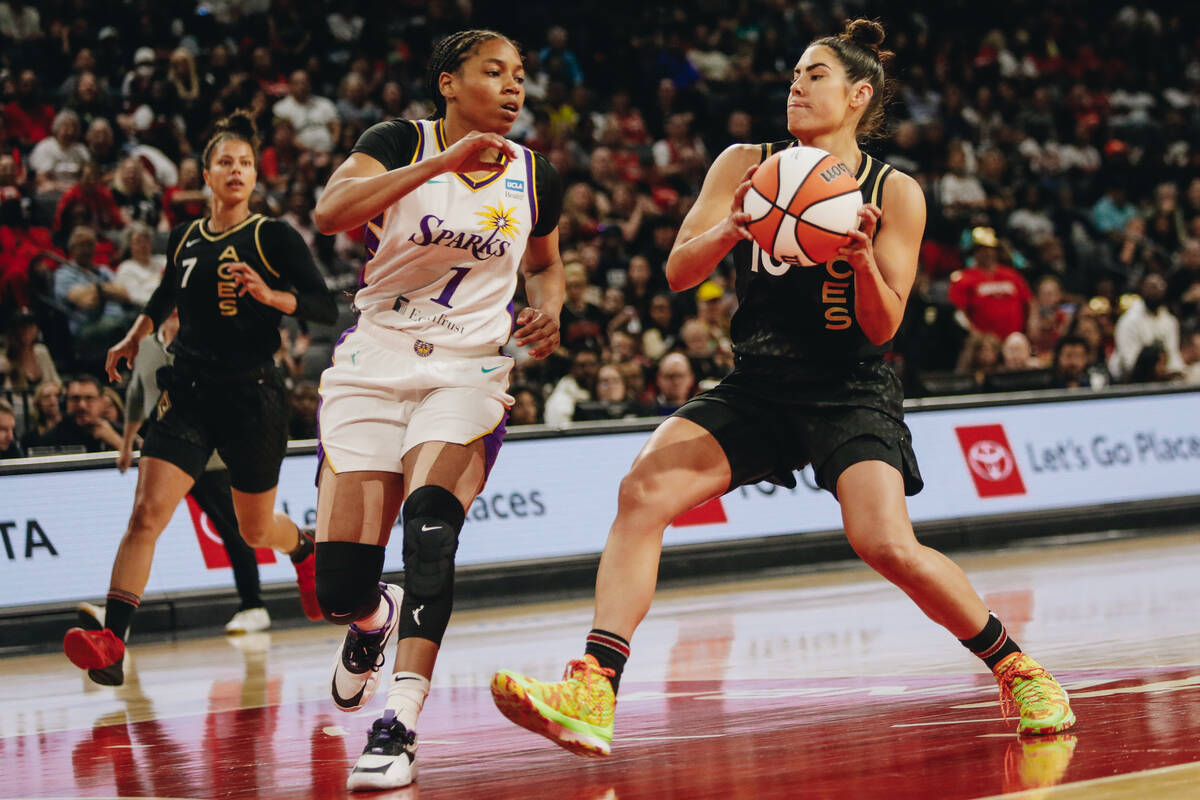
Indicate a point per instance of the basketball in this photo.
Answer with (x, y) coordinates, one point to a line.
(801, 203)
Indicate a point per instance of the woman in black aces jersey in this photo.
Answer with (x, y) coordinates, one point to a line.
(232, 275)
(801, 392)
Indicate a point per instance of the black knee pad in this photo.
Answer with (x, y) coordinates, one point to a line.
(348, 580)
(432, 517)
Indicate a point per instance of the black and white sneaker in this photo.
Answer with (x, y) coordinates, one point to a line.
(389, 760)
(357, 663)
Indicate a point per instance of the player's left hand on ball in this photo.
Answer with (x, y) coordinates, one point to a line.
(868, 218)
(249, 281)
(860, 250)
(538, 330)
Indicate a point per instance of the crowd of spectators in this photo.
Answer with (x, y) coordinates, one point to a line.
(1057, 142)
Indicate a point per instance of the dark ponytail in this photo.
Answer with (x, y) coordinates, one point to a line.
(240, 126)
(449, 54)
(858, 48)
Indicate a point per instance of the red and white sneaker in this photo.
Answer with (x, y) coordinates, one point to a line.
(100, 652)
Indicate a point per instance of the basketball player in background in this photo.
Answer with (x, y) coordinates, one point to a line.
(211, 491)
(232, 276)
(414, 405)
(808, 387)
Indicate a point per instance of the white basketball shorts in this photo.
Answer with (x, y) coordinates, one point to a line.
(387, 392)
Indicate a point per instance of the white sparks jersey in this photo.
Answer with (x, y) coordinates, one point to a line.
(442, 260)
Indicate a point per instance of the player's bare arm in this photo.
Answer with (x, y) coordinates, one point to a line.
(544, 288)
(885, 265)
(362, 188)
(716, 222)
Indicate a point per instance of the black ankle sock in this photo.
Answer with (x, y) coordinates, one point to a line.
(610, 651)
(118, 611)
(992, 643)
(304, 546)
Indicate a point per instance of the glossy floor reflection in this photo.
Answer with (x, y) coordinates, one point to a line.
(825, 685)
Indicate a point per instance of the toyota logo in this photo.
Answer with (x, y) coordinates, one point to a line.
(990, 460)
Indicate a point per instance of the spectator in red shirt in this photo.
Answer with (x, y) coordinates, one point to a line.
(185, 200)
(29, 119)
(993, 296)
(102, 212)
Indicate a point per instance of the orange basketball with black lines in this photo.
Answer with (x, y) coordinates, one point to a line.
(802, 201)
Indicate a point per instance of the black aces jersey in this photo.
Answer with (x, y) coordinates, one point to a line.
(802, 313)
(217, 328)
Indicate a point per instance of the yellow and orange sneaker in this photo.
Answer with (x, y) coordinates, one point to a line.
(1028, 689)
(575, 713)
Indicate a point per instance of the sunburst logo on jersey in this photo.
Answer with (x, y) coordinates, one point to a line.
(499, 219)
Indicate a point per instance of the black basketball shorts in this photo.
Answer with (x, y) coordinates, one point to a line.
(767, 434)
(242, 416)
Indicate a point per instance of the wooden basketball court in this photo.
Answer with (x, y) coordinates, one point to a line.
(829, 684)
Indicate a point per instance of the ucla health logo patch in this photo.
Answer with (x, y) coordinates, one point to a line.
(513, 185)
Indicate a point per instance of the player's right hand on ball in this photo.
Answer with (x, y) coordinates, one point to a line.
(125, 349)
(739, 219)
(467, 154)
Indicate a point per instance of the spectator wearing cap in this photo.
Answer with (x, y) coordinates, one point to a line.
(58, 160)
(1146, 322)
(994, 297)
(9, 446)
(315, 118)
(136, 86)
(715, 309)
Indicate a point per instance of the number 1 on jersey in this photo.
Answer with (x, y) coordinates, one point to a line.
(443, 299)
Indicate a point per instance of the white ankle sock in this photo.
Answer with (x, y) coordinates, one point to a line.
(378, 618)
(406, 696)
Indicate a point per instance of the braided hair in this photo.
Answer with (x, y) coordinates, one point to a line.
(449, 54)
(240, 126)
(857, 47)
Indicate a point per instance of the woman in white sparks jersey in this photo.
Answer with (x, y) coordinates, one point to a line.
(413, 406)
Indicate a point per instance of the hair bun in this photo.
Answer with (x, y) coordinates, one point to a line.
(866, 32)
(240, 124)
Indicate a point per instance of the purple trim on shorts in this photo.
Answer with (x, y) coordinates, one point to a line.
(491, 445)
(320, 400)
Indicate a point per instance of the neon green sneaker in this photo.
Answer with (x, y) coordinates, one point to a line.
(575, 713)
(1028, 689)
